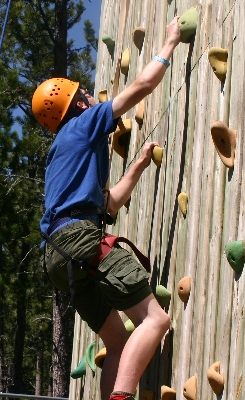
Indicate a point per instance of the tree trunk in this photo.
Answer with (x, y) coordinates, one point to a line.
(60, 45)
(61, 362)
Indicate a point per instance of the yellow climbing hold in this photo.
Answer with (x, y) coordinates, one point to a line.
(129, 326)
(125, 61)
(100, 357)
(183, 201)
(139, 116)
(157, 154)
(120, 136)
(102, 96)
(218, 61)
(225, 142)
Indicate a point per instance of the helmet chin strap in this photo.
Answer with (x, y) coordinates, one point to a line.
(84, 99)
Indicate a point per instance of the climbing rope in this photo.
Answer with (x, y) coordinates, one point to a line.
(5, 23)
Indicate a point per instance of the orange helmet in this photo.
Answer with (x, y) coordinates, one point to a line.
(51, 100)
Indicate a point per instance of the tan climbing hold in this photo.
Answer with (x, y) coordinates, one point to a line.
(225, 142)
(190, 388)
(184, 288)
(157, 154)
(167, 393)
(183, 201)
(188, 24)
(120, 136)
(216, 380)
(139, 116)
(218, 61)
(100, 357)
(146, 395)
(125, 61)
(138, 36)
(102, 96)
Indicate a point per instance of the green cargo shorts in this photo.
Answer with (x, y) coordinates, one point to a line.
(124, 284)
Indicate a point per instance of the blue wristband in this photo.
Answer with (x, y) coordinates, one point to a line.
(162, 60)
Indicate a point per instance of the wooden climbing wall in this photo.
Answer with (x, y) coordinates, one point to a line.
(210, 326)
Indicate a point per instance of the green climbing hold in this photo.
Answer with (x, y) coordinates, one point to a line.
(163, 296)
(80, 370)
(110, 43)
(129, 326)
(90, 353)
(188, 25)
(235, 253)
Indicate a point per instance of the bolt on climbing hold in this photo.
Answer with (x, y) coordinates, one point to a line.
(167, 393)
(146, 395)
(184, 288)
(157, 154)
(138, 36)
(163, 296)
(224, 140)
(183, 201)
(218, 61)
(102, 96)
(80, 370)
(100, 357)
(110, 43)
(190, 388)
(235, 253)
(90, 355)
(216, 380)
(129, 326)
(139, 116)
(120, 140)
(188, 24)
(125, 61)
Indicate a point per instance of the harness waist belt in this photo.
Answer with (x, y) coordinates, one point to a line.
(76, 211)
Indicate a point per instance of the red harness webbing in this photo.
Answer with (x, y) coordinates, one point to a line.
(106, 244)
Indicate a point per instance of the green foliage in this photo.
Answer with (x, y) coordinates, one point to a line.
(27, 58)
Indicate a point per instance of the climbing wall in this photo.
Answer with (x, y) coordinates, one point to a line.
(202, 356)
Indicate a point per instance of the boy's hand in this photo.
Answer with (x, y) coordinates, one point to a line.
(146, 154)
(173, 31)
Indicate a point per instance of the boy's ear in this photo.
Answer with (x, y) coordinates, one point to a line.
(81, 105)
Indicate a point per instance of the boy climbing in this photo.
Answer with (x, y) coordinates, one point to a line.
(100, 281)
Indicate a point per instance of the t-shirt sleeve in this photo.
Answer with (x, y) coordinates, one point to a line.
(98, 122)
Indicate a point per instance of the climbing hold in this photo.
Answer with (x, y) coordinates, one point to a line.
(163, 296)
(183, 201)
(129, 326)
(80, 370)
(120, 136)
(235, 253)
(139, 116)
(218, 61)
(102, 96)
(125, 61)
(138, 36)
(184, 288)
(157, 153)
(90, 355)
(147, 395)
(190, 388)
(216, 380)
(110, 43)
(100, 357)
(188, 24)
(224, 140)
(167, 393)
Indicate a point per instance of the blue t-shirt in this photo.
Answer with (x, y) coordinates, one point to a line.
(78, 163)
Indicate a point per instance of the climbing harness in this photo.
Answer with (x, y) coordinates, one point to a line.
(107, 242)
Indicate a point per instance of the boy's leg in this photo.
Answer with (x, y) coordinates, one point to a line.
(152, 323)
(114, 336)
